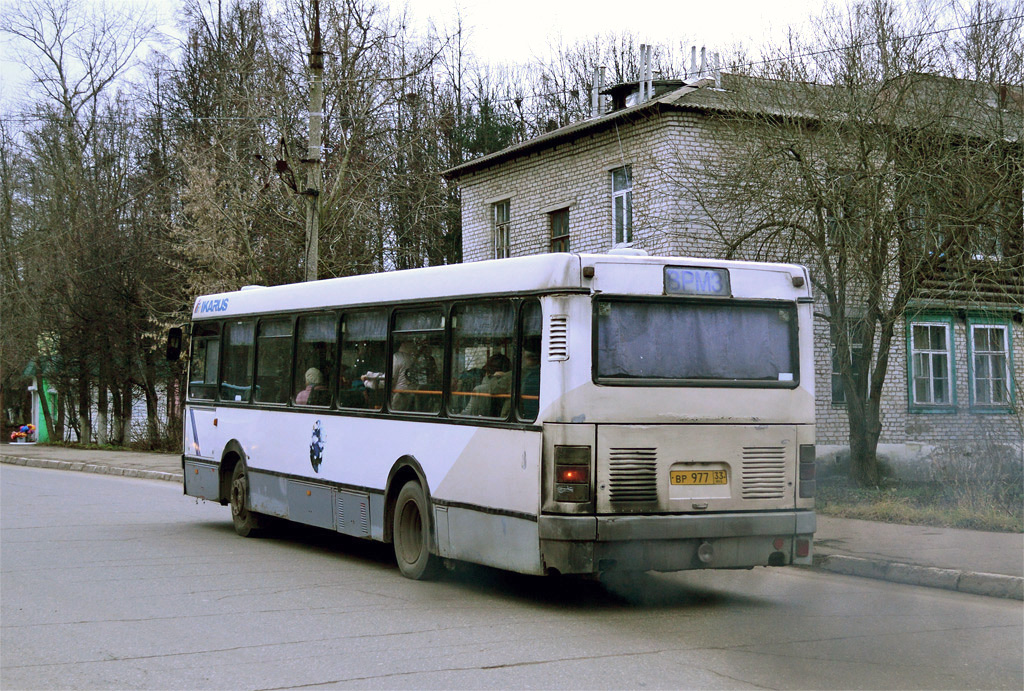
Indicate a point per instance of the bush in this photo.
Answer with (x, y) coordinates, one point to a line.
(981, 476)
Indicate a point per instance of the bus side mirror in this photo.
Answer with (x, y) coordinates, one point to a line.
(174, 344)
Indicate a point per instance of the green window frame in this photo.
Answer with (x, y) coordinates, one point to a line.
(990, 365)
(855, 334)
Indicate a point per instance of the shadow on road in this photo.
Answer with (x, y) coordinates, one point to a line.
(612, 590)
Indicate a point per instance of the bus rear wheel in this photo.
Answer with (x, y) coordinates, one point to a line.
(247, 523)
(411, 534)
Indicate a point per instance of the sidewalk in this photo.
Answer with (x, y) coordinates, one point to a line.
(969, 561)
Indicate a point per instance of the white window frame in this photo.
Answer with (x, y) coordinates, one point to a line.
(622, 236)
(501, 228)
(919, 355)
(990, 355)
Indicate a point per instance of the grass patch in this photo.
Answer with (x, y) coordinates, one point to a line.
(166, 447)
(920, 503)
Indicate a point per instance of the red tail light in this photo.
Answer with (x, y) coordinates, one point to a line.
(803, 547)
(572, 473)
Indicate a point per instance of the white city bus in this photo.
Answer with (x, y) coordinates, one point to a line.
(555, 413)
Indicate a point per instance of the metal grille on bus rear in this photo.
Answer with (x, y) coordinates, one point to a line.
(764, 472)
(558, 345)
(633, 474)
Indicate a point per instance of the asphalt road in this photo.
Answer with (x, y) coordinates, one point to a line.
(108, 582)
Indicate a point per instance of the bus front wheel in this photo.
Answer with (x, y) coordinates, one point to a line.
(247, 522)
(411, 534)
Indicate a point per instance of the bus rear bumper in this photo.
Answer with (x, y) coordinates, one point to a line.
(594, 544)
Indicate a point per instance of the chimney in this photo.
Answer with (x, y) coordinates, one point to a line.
(649, 73)
(596, 99)
(642, 81)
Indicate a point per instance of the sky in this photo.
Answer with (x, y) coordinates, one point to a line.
(517, 31)
(507, 32)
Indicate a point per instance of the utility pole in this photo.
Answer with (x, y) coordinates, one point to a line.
(314, 176)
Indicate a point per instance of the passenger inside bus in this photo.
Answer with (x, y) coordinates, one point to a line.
(529, 387)
(426, 380)
(489, 397)
(401, 376)
(315, 392)
(352, 392)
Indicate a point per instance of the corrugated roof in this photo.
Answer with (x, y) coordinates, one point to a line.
(568, 133)
(739, 94)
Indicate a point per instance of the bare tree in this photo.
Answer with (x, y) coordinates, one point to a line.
(865, 155)
(75, 56)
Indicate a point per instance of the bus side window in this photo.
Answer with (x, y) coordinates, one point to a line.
(236, 374)
(481, 362)
(273, 360)
(418, 349)
(363, 360)
(530, 330)
(315, 359)
(204, 361)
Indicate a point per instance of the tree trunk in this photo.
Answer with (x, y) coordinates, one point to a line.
(102, 404)
(864, 433)
(152, 401)
(117, 426)
(126, 415)
(62, 412)
(174, 389)
(84, 409)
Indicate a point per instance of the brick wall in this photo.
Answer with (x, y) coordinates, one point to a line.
(577, 176)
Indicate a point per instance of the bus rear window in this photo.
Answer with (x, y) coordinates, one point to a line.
(712, 343)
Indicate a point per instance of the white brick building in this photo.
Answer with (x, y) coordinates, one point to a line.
(608, 182)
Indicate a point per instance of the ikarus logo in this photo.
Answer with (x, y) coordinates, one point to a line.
(205, 306)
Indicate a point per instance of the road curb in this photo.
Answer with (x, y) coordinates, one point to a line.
(988, 584)
(91, 468)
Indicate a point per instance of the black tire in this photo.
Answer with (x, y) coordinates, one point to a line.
(411, 534)
(247, 523)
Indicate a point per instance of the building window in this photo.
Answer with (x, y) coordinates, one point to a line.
(622, 205)
(990, 364)
(931, 364)
(856, 346)
(560, 230)
(501, 229)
